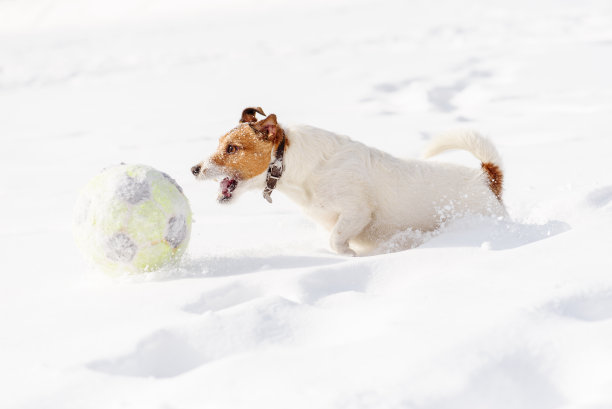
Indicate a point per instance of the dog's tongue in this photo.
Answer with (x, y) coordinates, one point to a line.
(227, 187)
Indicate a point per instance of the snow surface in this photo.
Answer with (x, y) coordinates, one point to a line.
(486, 314)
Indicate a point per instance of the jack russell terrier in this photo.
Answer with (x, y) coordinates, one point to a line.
(362, 195)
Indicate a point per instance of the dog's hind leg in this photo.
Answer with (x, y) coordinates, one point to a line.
(349, 225)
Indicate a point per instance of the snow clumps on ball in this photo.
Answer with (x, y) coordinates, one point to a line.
(132, 218)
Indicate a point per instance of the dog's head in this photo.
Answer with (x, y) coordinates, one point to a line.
(243, 155)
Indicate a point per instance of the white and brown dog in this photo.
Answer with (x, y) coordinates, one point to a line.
(362, 195)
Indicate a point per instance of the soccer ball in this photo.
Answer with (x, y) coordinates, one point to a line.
(132, 218)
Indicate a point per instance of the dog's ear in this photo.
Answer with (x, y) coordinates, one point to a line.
(248, 114)
(268, 127)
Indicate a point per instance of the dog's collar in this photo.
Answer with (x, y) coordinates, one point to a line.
(275, 170)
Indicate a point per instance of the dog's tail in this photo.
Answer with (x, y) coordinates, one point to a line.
(478, 146)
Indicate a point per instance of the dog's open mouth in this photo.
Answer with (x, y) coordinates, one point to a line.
(226, 187)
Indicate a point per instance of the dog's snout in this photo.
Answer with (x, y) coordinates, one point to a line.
(196, 170)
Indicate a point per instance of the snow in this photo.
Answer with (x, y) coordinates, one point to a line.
(486, 314)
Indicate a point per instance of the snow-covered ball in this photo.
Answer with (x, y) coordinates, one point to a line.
(132, 218)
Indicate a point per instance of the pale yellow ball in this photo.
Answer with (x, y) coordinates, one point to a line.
(132, 218)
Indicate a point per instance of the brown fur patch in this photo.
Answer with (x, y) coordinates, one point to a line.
(248, 115)
(495, 177)
(252, 156)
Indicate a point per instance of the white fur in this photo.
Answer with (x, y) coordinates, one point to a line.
(365, 196)
(470, 141)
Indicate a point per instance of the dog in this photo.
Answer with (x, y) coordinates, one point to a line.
(362, 195)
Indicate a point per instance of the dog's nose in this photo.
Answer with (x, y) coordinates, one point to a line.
(196, 170)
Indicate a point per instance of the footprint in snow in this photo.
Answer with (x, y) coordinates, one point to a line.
(324, 282)
(313, 285)
(600, 197)
(163, 354)
(594, 306)
(170, 352)
(222, 298)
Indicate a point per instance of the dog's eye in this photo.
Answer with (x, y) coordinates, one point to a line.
(231, 148)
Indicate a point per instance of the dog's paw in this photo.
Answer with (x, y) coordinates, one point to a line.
(345, 251)
(349, 252)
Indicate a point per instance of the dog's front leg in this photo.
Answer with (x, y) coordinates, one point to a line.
(349, 225)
